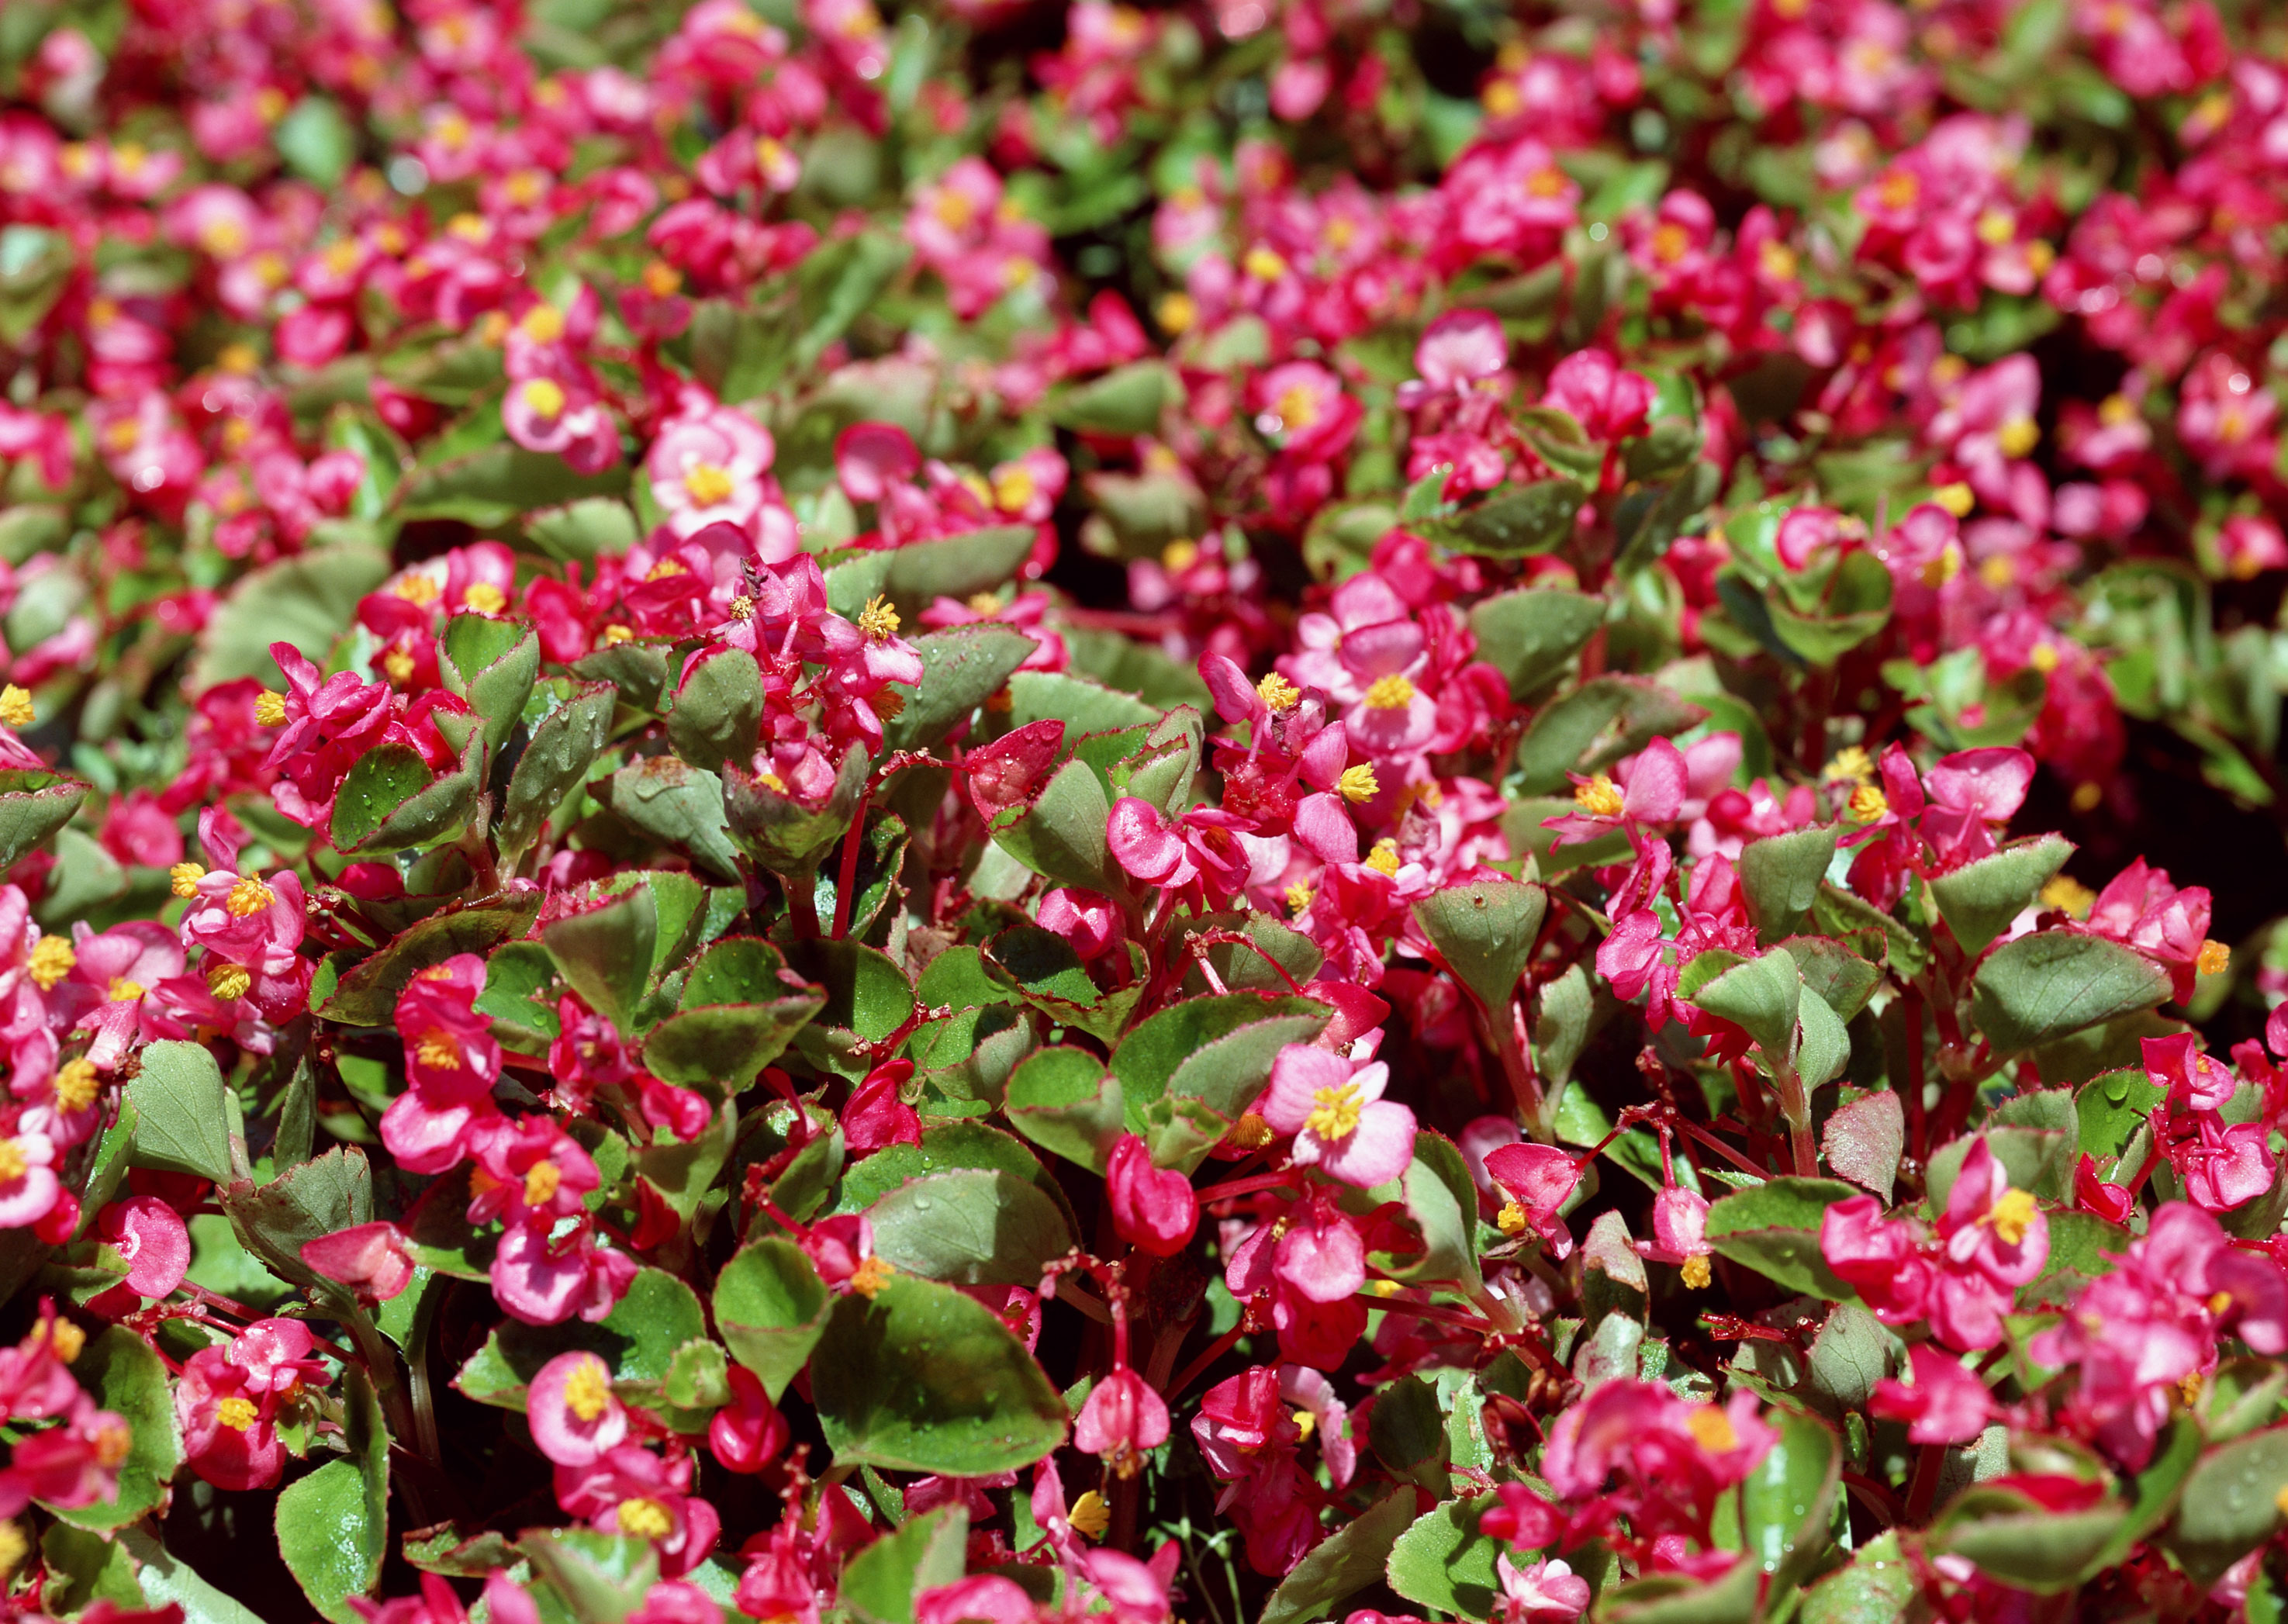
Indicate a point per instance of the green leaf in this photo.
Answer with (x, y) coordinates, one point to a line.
(1066, 1101)
(605, 953)
(637, 1339)
(676, 804)
(771, 1308)
(1874, 1589)
(1825, 1048)
(1124, 403)
(1786, 1501)
(492, 664)
(881, 1582)
(1485, 930)
(305, 600)
(1863, 1140)
(1531, 637)
(698, 1377)
(920, 1378)
(491, 486)
(739, 1011)
(1083, 706)
(366, 995)
(1442, 1204)
(1061, 833)
(121, 1372)
(1979, 900)
(333, 1525)
(944, 1147)
(601, 1578)
(1780, 876)
(1762, 996)
(1516, 520)
(2014, 1539)
(1673, 1599)
(181, 1124)
(34, 806)
(555, 762)
(868, 997)
(1443, 1562)
(1342, 1565)
(1843, 980)
(970, 1226)
(1595, 726)
(83, 1568)
(1407, 1432)
(1150, 1057)
(718, 710)
(1045, 971)
(316, 141)
(584, 529)
(2228, 1506)
(379, 786)
(2044, 985)
(165, 1579)
(964, 666)
(1852, 1352)
(305, 1202)
(1773, 1228)
(956, 566)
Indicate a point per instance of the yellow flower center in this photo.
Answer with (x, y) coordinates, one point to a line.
(183, 879)
(1180, 554)
(1697, 1271)
(229, 982)
(2116, 410)
(2220, 1301)
(342, 257)
(878, 620)
(1501, 97)
(246, 897)
(953, 209)
(1250, 1132)
(236, 1413)
(1599, 797)
(1671, 242)
(1297, 408)
(1899, 190)
(871, 1276)
(1299, 897)
(1277, 693)
(1868, 804)
(1263, 265)
(1712, 1430)
(2069, 896)
(1384, 857)
(1778, 261)
(1359, 784)
(2010, 1215)
(2018, 436)
(540, 1182)
(1177, 311)
(2043, 657)
(544, 396)
(76, 1085)
(124, 991)
(2215, 958)
(1511, 1220)
(68, 1340)
(397, 666)
(1089, 1515)
(269, 708)
(1391, 693)
(647, 1519)
(14, 1547)
(588, 1392)
(1304, 1423)
(616, 634)
(15, 707)
(438, 1050)
(417, 589)
(707, 484)
(13, 1163)
(542, 324)
(1944, 567)
(1336, 1116)
(1013, 488)
(1548, 181)
(661, 279)
(666, 569)
(240, 359)
(52, 961)
(1996, 226)
(1956, 499)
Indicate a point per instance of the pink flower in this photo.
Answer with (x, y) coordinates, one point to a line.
(150, 1235)
(1123, 1420)
(708, 466)
(1456, 351)
(1341, 1123)
(1153, 1210)
(1537, 1180)
(573, 1415)
(1609, 402)
(544, 1279)
(982, 1598)
(749, 1433)
(370, 1259)
(1946, 1404)
(1545, 1592)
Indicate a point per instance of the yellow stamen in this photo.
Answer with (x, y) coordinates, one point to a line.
(544, 397)
(2190, 1387)
(616, 634)
(1304, 1423)
(2011, 1217)
(1511, 1220)
(269, 709)
(1956, 499)
(1277, 693)
(1696, 1272)
(1384, 857)
(76, 1085)
(2069, 896)
(878, 620)
(439, 1050)
(1870, 805)
(542, 324)
(1336, 1116)
(67, 1339)
(15, 707)
(249, 896)
(52, 961)
(1299, 899)
(647, 1519)
(485, 597)
(1176, 311)
(2215, 959)
(183, 879)
(1392, 693)
(707, 484)
(236, 1413)
(417, 589)
(1712, 1430)
(1359, 784)
(229, 982)
(2043, 657)
(1263, 265)
(871, 1276)
(124, 991)
(588, 1389)
(1089, 1515)
(1250, 1132)
(540, 1182)
(14, 1547)
(1013, 488)
(2116, 410)
(2018, 437)
(1851, 762)
(2220, 1301)
(13, 1163)
(661, 279)
(1599, 797)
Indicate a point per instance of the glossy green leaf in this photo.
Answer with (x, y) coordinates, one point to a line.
(971, 1226)
(605, 953)
(182, 1123)
(333, 1524)
(1065, 1101)
(1531, 637)
(1442, 1560)
(1978, 900)
(771, 1308)
(718, 710)
(122, 1373)
(1780, 876)
(2044, 985)
(1341, 1565)
(1485, 930)
(1773, 1228)
(2230, 1503)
